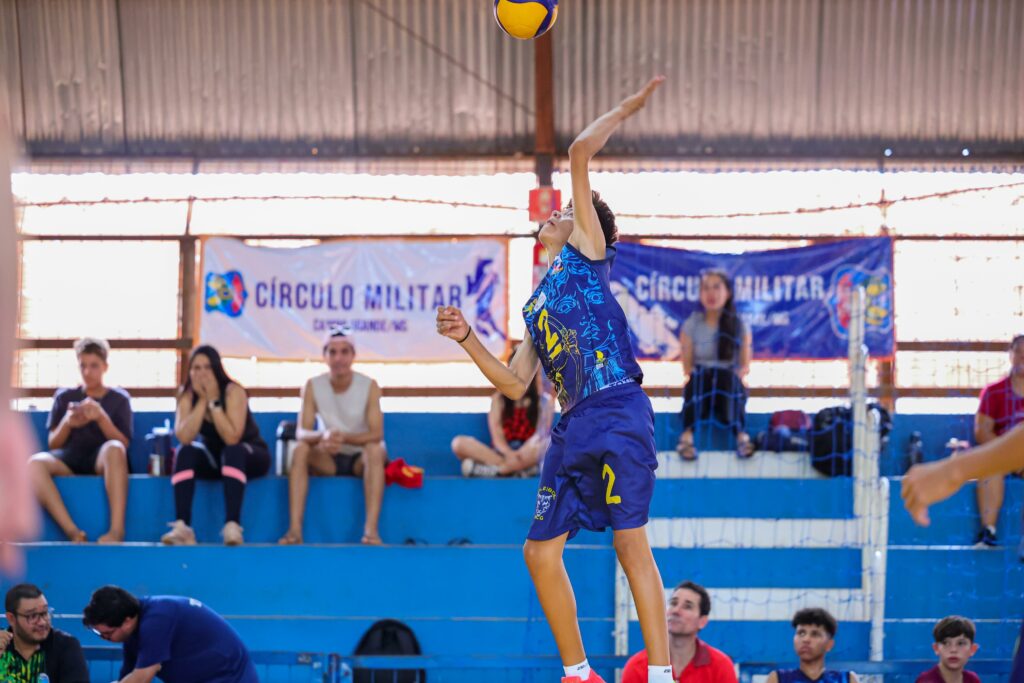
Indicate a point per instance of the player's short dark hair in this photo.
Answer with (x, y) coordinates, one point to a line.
(605, 217)
(705, 599)
(110, 606)
(953, 626)
(1016, 340)
(816, 616)
(23, 591)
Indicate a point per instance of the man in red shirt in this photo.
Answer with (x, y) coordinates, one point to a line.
(693, 661)
(1002, 407)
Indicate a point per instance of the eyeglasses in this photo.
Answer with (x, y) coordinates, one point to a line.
(33, 617)
(105, 635)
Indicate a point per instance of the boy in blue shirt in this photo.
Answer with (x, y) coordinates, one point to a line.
(171, 638)
(814, 636)
(599, 468)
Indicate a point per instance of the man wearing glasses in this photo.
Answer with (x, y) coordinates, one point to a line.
(31, 646)
(179, 638)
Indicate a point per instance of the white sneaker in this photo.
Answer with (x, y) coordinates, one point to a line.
(232, 534)
(180, 534)
(472, 468)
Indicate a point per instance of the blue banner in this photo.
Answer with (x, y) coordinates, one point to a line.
(796, 302)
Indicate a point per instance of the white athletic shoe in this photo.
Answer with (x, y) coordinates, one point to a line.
(472, 468)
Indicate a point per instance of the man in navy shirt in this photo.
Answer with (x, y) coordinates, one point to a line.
(169, 637)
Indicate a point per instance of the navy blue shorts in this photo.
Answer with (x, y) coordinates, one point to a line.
(599, 469)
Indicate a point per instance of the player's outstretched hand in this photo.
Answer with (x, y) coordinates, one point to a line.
(451, 323)
(637, 100)
(927, 484)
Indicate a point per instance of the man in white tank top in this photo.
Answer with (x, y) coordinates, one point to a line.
(351, 442)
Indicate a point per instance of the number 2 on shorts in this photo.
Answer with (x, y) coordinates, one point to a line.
(608, 474)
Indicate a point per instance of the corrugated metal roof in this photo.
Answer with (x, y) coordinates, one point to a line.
(10, 68)
(329, 78)
(71, 75)
(323, 77)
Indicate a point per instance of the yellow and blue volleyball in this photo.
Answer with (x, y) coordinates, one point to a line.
(525, 19)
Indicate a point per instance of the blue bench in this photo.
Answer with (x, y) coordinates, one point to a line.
(425, 438)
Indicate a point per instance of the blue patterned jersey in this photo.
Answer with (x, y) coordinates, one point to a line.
(798, 676)
(579, 329)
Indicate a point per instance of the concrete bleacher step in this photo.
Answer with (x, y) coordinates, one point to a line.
(935, 571)
(954, 522)
(464, 599)
(929, 582)
(446, 509)
(912, 639)
(726, 465)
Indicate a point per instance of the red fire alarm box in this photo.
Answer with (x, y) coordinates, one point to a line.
(544, 200)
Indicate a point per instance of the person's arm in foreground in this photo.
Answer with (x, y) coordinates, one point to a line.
(935, 481)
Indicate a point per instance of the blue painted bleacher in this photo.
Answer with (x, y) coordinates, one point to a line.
(477, 598)
(416, 437)
(984, 584)
(446, 508)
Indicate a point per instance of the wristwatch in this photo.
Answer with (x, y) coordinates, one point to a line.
(214, 404)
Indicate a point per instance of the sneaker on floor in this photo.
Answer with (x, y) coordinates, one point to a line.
(472, 468)
(986, 538)
(232, 534)
(180, 534)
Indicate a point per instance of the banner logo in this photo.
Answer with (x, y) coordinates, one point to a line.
(878, 288)
(225, 293)
(482, 286)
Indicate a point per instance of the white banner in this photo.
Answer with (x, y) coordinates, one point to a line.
(281, 303)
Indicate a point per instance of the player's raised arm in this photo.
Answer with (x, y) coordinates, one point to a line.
(582, 150)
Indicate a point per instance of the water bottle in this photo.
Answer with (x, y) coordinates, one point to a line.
(43, 678)
(915, 450)
(160, 449)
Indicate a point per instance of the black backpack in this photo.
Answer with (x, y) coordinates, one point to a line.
(832, 438)
(388, 637)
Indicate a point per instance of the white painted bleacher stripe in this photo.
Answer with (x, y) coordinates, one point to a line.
(930, 620)
(741, 532)
(725, 465)
(779, 604)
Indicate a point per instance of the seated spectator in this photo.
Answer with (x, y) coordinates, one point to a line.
(1001, 407)
(716, 347)
(181, 640)
(31, 646)
(219, 439)
(693, 660)
(351, 444)
(954, 644)
(520, 434)
(814, 637)
(89, 427)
